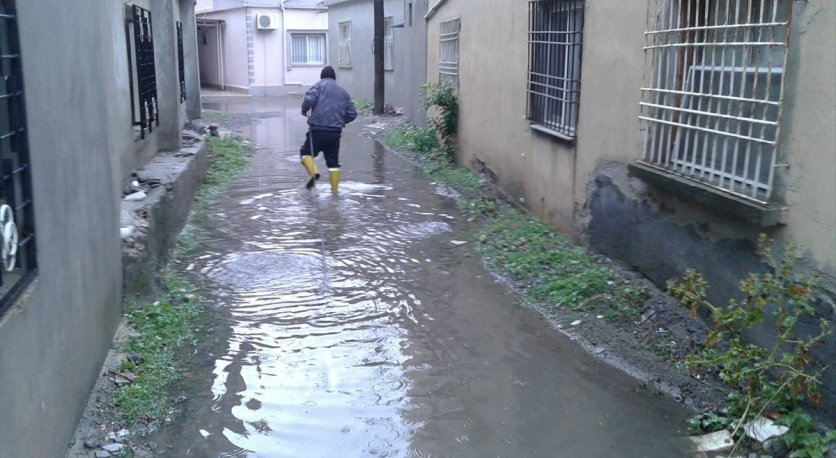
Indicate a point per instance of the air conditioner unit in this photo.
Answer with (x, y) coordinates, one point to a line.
(267, 21)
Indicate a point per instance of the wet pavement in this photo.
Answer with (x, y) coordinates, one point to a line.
(353, 326)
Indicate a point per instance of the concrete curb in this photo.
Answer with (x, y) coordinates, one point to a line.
(150, 225)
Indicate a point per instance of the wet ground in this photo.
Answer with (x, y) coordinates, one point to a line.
(355, 326)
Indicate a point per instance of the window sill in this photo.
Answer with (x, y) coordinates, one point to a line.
(551, 132)
(345, 67)
(760, 215)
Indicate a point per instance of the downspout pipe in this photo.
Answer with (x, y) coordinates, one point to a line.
(284, 45)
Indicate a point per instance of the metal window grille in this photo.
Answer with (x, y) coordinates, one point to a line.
(143, 73)
(554, 64)
(17, 228)
(181, 62)
(388, 44)
(344, 40)
(448, 62)
(307, 48)
(713, 101)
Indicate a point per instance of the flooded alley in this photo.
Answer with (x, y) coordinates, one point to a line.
(355, 326)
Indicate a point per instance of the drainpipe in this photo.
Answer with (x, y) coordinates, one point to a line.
(284, 45)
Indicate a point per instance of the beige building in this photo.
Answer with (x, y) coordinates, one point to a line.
(665, 133)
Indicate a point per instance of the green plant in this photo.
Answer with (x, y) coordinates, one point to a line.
(709, 423)
(781, 376)
(422, 141)
(363, 105)
(444, 98)
(162, 328)
(802, 438)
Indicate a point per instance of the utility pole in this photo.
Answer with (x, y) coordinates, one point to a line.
(379, 87)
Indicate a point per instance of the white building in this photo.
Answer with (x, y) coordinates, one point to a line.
(261, 47)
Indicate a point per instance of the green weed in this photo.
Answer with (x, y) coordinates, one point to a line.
(555, 271)
(779, 376)
(163, 328)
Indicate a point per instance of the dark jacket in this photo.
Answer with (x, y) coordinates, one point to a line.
(330, 106)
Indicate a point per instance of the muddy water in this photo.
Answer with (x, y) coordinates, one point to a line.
(354, 326)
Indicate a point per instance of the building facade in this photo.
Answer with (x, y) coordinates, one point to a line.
(127, 82)
(269, 47)
(351, 31)
(668, 134)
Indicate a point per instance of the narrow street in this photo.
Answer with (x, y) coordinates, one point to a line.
(354, 326)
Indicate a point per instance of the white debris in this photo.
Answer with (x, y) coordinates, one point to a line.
(135, 196)
(126, 232)
(113, 448)
(762, 429)
(457, 242)
(205, 433)
(714, 442)
(576, 322)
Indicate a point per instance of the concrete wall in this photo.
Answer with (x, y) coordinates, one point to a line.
(494, 135)
(235, 58)
(411, 60)
(585, 189)
(359, 78)
(54, 338)
(304, 21)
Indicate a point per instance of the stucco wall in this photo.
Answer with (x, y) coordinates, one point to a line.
(52, 343)
(234, 32)
(494, 135)
(82, 146)
(304, 21)
(359, 78)
(411, 62)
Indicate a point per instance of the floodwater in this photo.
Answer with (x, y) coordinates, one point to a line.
(354, 326)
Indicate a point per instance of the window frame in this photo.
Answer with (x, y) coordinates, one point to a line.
(553, 91)
(388, 43)
(307, 33)
(698, 125)
(181, 65)
(344, 44)
(142, 73)
(449, 34)
(17, 219)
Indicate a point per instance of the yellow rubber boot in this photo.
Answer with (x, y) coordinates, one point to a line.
(335, 179)
(310, 166)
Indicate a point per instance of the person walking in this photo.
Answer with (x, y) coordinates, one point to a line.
(328, 108)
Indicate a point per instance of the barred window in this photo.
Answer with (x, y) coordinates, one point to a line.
(17, 229)
(307, 48)
(555, 30)
(344, 40)
(143, 74)
(713, 101)
(388, 44)
(448, 62)
(181, 62)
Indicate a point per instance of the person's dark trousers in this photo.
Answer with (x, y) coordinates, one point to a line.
(327, 142)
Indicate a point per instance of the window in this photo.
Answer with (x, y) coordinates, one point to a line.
(712, 103)
(181, 62)
(344, 44)
(143, 74)
(555, 29)
(388, 44)
(448, 61)
(17, 234)
(307, 48)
